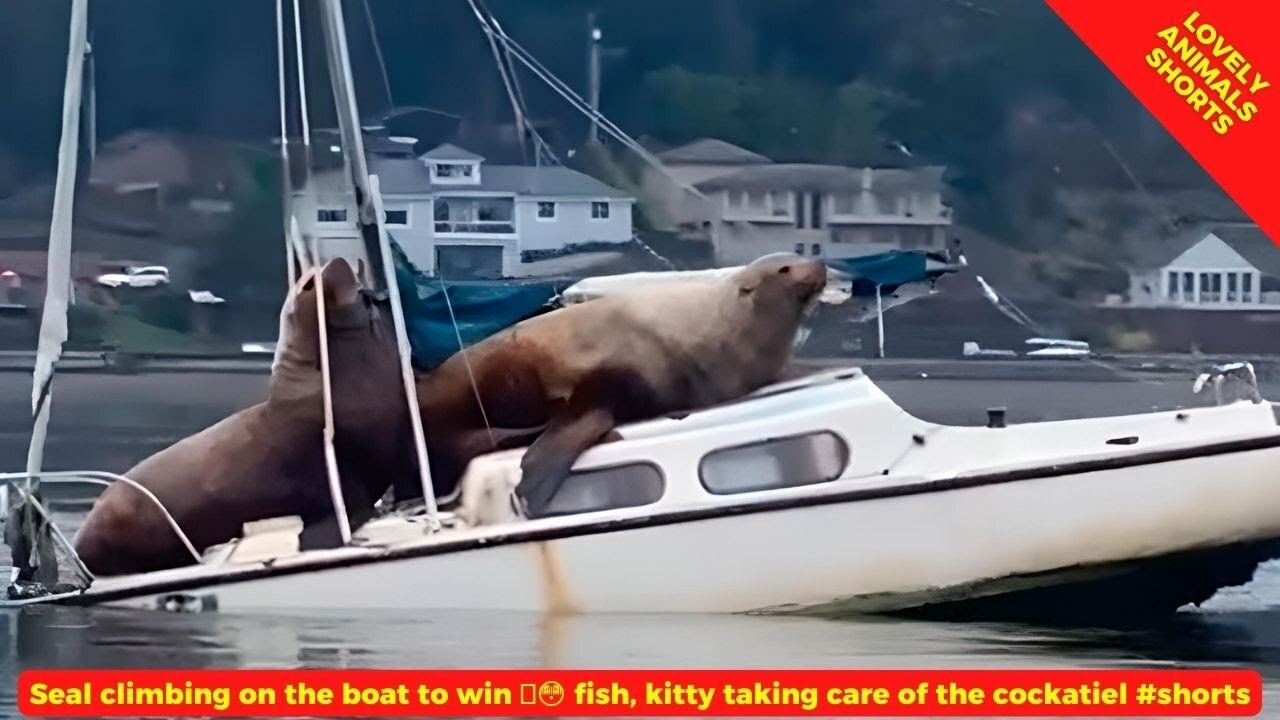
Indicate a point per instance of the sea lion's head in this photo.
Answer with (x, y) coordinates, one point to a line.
(356, 321)
(781, 283)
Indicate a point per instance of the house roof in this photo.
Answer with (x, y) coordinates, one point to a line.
(1254, 246)
(409, 177)
(826, 178)
(449, 151)
(1245, 238)
(710, 151)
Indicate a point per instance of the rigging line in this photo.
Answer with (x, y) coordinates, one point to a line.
(330, 455)
(290, 268)
(568, 93)
(466, 361)
(1133, 178)
(46, 518)
(516, 109)
(302, 89)
(550, 78)
(377, 50)
(541, 143)
(604, 122)
(335, 81)
(1007, 308)
(354, 160)
(404, 351)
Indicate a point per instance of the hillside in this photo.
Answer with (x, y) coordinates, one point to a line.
(1047, 153)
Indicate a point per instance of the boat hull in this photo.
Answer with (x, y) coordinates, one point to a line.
(865, 548)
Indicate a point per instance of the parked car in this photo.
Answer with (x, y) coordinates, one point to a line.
(137, 277)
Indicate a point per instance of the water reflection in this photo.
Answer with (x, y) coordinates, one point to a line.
(85, 638)
(89, 638)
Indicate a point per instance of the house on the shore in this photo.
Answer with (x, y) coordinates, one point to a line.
(752, 206)
(459, 217)
(1228, 267)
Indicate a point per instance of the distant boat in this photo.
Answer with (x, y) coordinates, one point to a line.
(1059, 348)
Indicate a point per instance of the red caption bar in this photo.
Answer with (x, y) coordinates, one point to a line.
(655, 693)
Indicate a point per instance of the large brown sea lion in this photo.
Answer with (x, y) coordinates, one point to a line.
(268, 460)
(564, 380)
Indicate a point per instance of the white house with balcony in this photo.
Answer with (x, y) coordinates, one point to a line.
(1230, 267)
(461, 218)
(754, 206)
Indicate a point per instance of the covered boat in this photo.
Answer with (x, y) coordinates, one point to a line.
(818, 495)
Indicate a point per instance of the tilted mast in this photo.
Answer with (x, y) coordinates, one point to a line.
(27, 529)
(371, 222)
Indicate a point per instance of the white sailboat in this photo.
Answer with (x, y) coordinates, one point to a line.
(818, 495)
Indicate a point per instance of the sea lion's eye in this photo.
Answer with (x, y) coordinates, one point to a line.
(784, 270)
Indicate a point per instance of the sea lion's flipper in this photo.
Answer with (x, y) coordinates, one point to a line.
(323, 534)
(547, 462)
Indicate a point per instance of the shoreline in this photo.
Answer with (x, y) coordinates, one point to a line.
(1099, 367)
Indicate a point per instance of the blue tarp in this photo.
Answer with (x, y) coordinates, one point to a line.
(890, 268)
(482, 308)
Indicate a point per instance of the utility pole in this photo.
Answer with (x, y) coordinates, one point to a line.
(593, 74)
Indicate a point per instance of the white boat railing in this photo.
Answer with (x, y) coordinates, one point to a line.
(93, 477)
(330, 454)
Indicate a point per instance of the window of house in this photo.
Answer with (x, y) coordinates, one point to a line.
(1173, 284)
(1188, 286)
(546, 211)
(799, 248)
(816, 250)
(396, 217)
(778, 203)
(1231, 287)
(621, 486)
(331, 215)
(600, 211)
(757, 200)
(1210, 287)
(1246, 287)
(446, 170)
(778, 463)
(815, 211)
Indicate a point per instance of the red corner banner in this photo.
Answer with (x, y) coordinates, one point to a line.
(1210, 73)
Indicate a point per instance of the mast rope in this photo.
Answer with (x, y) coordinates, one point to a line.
(466, 361)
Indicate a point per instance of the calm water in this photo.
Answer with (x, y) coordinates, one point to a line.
(70, 637)
(111, 423)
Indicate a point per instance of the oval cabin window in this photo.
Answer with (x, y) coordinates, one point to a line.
(608, 488)
(778, 463)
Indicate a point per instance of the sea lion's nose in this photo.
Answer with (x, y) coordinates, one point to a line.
(811, 274)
